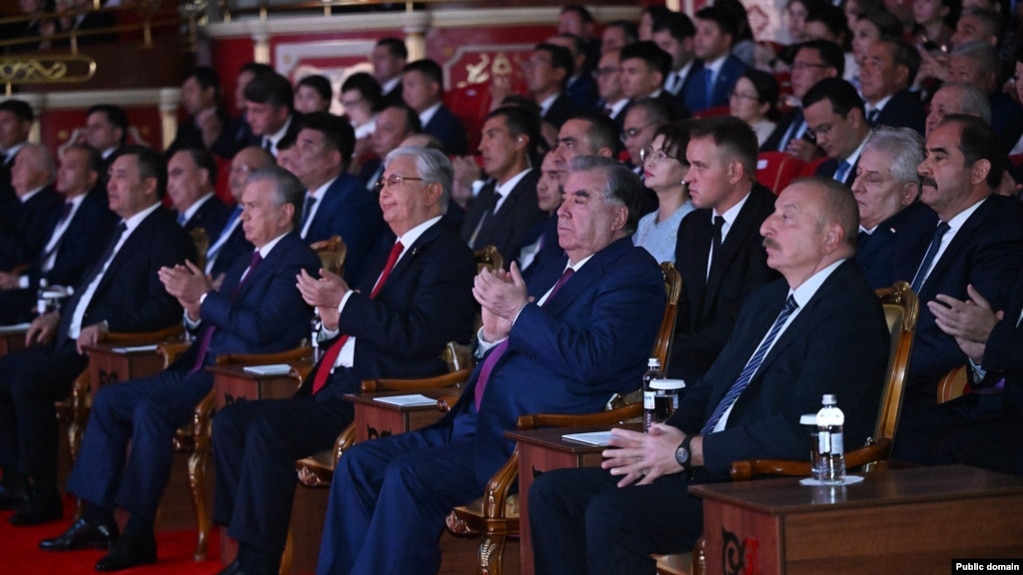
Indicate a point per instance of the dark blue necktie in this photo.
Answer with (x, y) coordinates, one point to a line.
(751, 367)
(932, 250)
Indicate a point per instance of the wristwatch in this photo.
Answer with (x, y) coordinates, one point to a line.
(682, 453)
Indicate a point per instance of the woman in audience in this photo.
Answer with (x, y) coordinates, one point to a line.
(664, 171)
(361, 99)
(870, 27)
(753, 101)
(853, 9)
(795, 18)
(933, 24)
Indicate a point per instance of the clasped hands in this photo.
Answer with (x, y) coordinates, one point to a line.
(502, 294)
(969, 321)
(187, 283)
(643, 457)
(324, 293)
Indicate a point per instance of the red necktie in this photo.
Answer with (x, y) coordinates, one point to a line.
(497, 352)
(332, 352)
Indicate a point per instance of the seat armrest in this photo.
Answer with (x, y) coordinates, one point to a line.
(610, 417)
(297, 354)
(452, 379)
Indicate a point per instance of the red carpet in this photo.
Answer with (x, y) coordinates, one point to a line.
(20, 554)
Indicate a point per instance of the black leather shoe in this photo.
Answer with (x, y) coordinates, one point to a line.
(128, 552)
(82, 535)
(38, 510)
(11, 498)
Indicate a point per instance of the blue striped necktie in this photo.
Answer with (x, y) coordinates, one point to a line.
(751, 367)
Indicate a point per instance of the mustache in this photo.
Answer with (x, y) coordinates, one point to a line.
(925, 181)
(770, 243)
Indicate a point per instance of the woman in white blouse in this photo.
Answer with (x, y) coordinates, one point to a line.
(664, 172)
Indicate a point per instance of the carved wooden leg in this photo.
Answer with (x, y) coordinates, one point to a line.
(700, 556)
(197, 483)
(289, 551)
(491, 552)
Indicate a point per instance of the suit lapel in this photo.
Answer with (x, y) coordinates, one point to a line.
(962, 238)
(405, 263)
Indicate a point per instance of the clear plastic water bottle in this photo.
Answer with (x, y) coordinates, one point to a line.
(315, 324)
(830, 420)
(650, 394)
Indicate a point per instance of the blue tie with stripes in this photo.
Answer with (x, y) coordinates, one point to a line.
(751, 367)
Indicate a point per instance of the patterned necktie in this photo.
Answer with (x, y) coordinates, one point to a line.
(207, 336)
(307, 208)
(751, 367)
(497, 352)
(928, 261)
(842, 171)
(329, 358)
(708, 77)
(872, 116)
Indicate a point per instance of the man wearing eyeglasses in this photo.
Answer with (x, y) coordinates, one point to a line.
(335, 204)
(414, 298)
(814, 61)
(641, 122)
(612, 101)
(834, 115)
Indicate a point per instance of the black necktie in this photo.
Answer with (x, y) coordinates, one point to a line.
(932, 250)
(307, 208)
(489, 197)
(715, 241)
(872, 116)
(107, 252)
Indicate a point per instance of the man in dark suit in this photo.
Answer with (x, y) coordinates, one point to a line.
(541, 244)
(978, 242)
(119, 293)
(191, 177)
(237, 132)
(834, 115)
(335, 204)
(422, 87)
(992, 340)
(16, 119)
(612, 102)
(257, 310)
(106, 130)
(886, 190)
(718, 252)
(506, 208)
(547, 72)
(389, 58)
(586, 336)
(23, 232)
(231, 244)
(820, 330)
(716, 31)
(580, 88)
(394, 325)
(977, 64)
(89, 23)
(206, 125)
(886, 74)
(84, 223)
(814, 61)
(644, 68)
(269, 101)
(674, 34)
(643, 118)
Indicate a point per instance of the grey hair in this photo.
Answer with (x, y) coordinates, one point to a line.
(903, 146)
(984, 54)
(622, 187)
(431, 165)
(287, 189)
(45, 163)
(972, 100)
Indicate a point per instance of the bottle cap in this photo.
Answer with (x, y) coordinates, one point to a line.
(653, 362)
(829, 399)
(667, 384)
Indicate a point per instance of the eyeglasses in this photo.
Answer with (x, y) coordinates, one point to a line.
(649, 154)
(746, 96)
(822, 130)
(605, 71)
(351, 103)
(633, 132)
(393, 180)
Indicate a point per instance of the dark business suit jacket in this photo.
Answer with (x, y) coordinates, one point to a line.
(828, 168)
(561, 110)
(774, 142)
(986, 252)
(27, 230)
(350, 211)
(904, 110)
(837, 344)
(508, 228)
(189, 135)
(582, 92)
(695, 89)
(79, 246)
(710, 305)
(909, 227)
(590, 341)
(236, 248)
(425, 303)
(211, 216)
(446, 127)
(675, 104)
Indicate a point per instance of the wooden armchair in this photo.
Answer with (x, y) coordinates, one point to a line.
(332, 252)
(495, 516)
(953, 384)
(202, 243)
(901, 307)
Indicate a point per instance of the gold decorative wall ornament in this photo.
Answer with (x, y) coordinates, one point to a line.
(46, 69)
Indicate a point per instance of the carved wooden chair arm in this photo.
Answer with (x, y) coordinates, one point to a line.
(446, 402)
(171, 350)
(446, 380)
(287, 356)
(496, 494)
(749, 468)
(202, 416)
(609, 417)
(165, 334)
(299, 373)
(344, 442)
